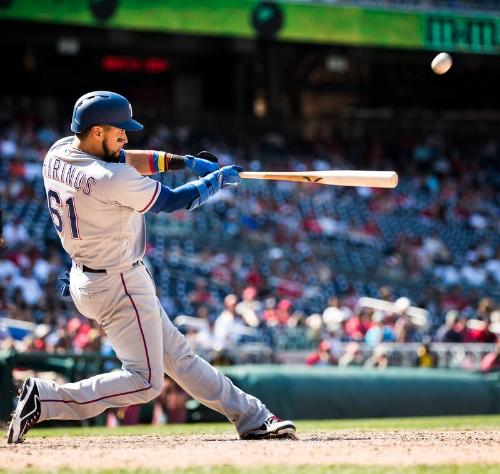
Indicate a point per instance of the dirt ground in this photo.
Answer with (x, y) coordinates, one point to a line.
(396, 448)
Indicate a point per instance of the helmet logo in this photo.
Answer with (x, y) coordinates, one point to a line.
(130, 107)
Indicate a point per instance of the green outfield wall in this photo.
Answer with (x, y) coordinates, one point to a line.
(301, 22)
(302, 392)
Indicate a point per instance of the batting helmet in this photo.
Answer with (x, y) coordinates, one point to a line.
(103, 107)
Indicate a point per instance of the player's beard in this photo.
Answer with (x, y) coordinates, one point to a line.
(108, 156)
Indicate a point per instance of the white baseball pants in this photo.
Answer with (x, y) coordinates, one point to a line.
(148, 345)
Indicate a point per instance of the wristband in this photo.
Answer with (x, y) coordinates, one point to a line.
(158, 161)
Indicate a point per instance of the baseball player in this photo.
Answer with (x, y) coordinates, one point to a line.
(97, 196)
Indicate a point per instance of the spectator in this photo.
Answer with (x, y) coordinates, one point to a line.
(322, 355)
(357, 326)
(492, 267)
(124, 416)
(19, 309)
(491, 361)
(352, 356)
(450, 331)
(229, 322)
(30, 288)
(405, 330)
(15, 233)
(478, 331)
(425, 357)
(249, 308)
(433, 248)
(447, 273)
(474, 273)
(49, 263)
(379, 332)
(436, 231)
(170, 406)
(8, 270)
(200, 296)
(379, 358)
(207, 339)
(279, 315)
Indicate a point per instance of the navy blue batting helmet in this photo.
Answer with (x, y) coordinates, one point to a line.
(103, 108)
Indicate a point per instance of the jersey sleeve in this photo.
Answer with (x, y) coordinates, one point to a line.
(128, 188)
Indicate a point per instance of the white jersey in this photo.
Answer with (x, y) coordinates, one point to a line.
(97, 207)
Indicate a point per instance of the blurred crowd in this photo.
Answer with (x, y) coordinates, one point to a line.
(281, 264)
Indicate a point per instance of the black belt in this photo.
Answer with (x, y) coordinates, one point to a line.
(93, 270)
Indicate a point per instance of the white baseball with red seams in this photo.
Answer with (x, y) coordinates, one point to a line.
(442, 63)
(97, 208)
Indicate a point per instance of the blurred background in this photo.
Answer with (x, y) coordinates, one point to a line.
(272, 273)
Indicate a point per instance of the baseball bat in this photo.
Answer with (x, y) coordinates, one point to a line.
(372, 179)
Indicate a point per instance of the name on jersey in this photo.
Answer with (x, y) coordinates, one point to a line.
(68, 174)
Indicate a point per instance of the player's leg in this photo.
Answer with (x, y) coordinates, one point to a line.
(130, 314)
(210, 387)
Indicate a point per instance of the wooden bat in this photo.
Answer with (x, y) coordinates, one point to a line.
(372, 179)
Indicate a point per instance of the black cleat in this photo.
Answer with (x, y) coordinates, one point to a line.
(27, 412)
(272, 427)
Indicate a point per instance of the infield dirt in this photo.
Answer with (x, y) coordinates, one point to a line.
(389, 448)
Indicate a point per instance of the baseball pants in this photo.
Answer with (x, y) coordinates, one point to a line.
(148, 345)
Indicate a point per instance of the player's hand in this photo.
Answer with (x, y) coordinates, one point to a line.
(202, 164)
(229, 176)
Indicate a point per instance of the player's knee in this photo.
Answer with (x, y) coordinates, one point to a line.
(156, 383)
(152, 392)
(152, 384)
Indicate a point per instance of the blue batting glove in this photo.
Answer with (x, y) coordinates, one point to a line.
(200, 166)
(64, 284)
(228, 176)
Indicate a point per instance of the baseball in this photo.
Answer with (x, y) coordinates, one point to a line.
(441, 63)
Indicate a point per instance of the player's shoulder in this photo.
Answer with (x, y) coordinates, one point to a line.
(62, 143)
(117, 172)
(120, 169)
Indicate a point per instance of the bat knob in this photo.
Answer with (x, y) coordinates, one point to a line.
(206, 155)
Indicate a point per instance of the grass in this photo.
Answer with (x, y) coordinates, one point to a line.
(486, 422)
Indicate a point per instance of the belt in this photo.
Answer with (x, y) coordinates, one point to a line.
(93, 270)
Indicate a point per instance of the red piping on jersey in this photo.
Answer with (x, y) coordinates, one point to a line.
(147, 358)
(99, 399)
(152, 199)
(150, 162)
(140, 326)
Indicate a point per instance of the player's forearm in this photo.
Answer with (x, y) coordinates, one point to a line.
(196, 193)
(148, 162)
(187, 197)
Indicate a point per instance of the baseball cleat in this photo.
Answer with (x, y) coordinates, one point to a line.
(27, 412)
(272, 427)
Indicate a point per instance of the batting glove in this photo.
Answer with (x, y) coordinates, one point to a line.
(229, 176)
(213, 182)
(202, 164)
(64, 284)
